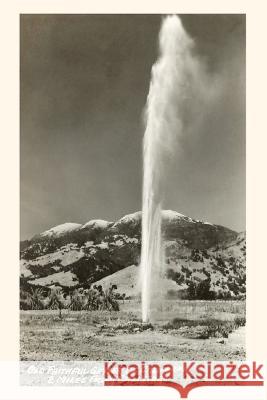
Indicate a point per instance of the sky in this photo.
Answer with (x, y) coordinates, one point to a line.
(84, 81)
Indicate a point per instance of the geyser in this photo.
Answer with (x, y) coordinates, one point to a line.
(172, 78)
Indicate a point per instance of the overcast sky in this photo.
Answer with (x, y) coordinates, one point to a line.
(84, 82)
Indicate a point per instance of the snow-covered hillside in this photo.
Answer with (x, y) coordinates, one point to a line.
(74, 255)
(61, 229)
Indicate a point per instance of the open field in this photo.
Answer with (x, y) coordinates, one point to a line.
(182, 330)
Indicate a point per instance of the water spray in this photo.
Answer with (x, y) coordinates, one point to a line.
(170, 84)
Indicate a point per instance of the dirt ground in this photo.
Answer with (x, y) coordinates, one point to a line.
(91, 336)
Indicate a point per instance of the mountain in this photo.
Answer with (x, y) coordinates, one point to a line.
(198, 253)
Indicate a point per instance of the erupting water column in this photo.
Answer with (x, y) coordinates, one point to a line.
(163, 125)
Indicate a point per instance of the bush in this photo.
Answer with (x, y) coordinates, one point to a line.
(178, 277)
(206, 328)
(200, 290)
(32, 300)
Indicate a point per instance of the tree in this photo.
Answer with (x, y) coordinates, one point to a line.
(56, 301)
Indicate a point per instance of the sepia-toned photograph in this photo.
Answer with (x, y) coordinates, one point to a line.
(132, 187)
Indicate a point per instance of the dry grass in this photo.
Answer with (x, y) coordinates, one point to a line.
(193, 310)
(102, 334)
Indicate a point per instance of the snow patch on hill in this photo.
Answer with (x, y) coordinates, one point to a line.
(61, 229)
(169, 214)
(134, 217)
(97, 223)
